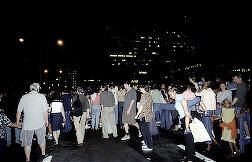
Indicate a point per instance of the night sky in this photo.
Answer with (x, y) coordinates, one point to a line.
(220, 37)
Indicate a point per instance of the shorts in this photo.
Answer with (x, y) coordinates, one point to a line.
(26, 136)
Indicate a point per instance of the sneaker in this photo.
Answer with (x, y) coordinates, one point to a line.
(247, 137)
(143, 143)
(187, 131)
(49, 136)
(44, 156)
(139, 134)
(144, 146)
(147, 149)
(87, 126)
(47, 159)
(158, 123)
(126, 137)
(80, 145)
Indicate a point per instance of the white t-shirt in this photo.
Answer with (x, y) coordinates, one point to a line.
(56, 107)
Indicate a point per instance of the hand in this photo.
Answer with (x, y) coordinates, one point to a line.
(64, 120)
(136, 117)
(19, 125)
(46, 123)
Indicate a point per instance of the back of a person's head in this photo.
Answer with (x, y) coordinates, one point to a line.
(35, 87)
(145, 87)
(155, 86)
(238, 75)
(191, 87)
(56, 95)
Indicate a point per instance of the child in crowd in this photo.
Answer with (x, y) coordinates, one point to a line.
(229, 132)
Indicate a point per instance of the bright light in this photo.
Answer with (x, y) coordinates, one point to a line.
(60, 71)
(60, 42)
(21, 40)
(142, 72)
(45, 71)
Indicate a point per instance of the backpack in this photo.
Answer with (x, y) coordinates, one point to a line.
(77, 107)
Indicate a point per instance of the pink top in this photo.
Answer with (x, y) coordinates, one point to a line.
(97, 100)
(188, 95)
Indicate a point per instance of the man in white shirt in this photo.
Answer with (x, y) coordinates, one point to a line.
(35, 108)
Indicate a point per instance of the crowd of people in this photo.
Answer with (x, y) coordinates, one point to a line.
(117, 107)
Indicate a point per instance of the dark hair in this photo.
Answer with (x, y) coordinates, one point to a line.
(192, 87)
(145, 87)
(126, 82)
(237, 75)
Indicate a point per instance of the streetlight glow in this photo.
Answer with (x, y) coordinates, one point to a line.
(60, 42)
(21, 40)
(45, 71)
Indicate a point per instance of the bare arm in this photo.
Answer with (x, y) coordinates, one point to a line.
(139, 111)
(63, 114)
(234, 101)
(46, 118)
(18, 116)
(185, 108)
(130, 106)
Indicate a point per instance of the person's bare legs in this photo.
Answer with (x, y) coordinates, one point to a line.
(126, 128)
(27, 150)
(231, 147)
(42, 147)
(56, 135)
(236, 148)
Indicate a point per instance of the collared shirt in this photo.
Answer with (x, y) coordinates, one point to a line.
(33, 104)
(208, 97)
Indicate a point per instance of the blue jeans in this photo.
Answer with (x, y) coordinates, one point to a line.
(96, 111)
(8, 136)
(192, 103)
(120, 111)
(145, 130)
(17, 135)
(157, 111)
(116, 113)
(166, 115)
(68, 125)
(206, 120)
(245, 117)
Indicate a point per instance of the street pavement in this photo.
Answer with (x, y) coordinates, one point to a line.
(168, 147)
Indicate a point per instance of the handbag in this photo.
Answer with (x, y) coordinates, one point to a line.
(199, 131)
